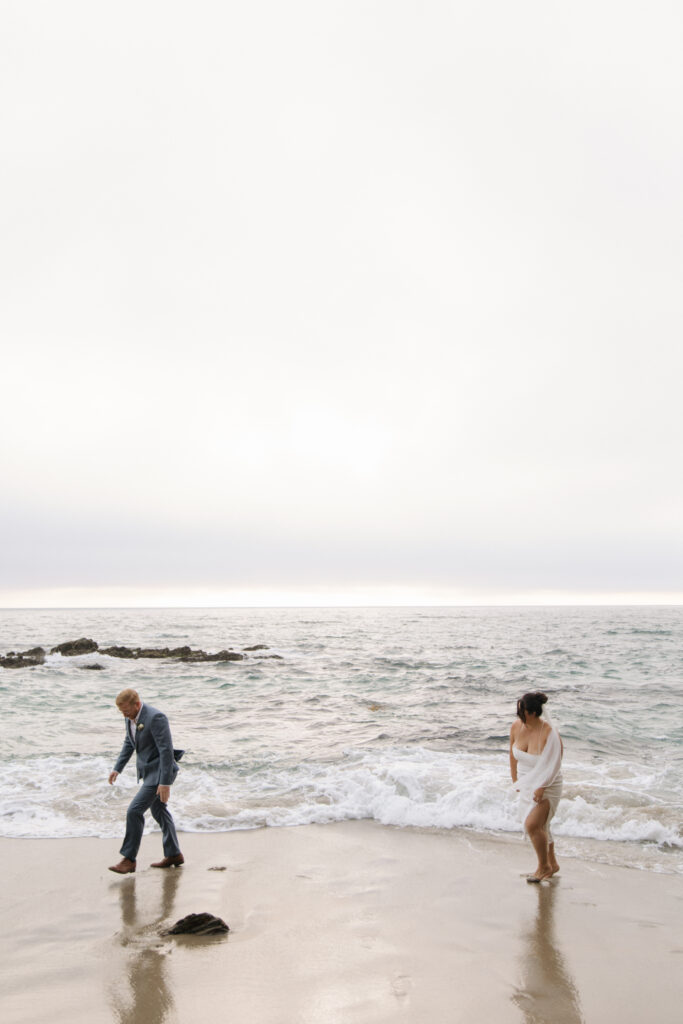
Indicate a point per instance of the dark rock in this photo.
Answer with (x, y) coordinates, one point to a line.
(118, 652)
(272, 657)
(225, 656)
(199, 924)
(147, 652)
(202, 656)
(20, 661)
(73, 647)
(91, 668)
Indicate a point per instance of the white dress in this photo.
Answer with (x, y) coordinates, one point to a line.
(535, 770)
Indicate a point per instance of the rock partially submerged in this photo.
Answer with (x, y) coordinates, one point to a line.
(74, 647)
(179, 653)
(84, 646)
(118, 652)
(23, 659)
(199, 924)
(221, 656)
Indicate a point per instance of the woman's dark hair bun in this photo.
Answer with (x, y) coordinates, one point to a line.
(531, 703)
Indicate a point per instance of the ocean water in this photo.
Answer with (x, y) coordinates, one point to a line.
(396, 714)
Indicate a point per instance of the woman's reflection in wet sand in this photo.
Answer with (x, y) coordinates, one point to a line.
(547, 994)
(141, 995)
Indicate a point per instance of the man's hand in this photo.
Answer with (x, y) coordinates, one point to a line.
(113, 777)
(164, 793)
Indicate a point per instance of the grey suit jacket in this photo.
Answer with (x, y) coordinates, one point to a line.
(155, 757)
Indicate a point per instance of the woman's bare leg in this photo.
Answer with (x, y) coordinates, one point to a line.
(534, 824)
(552, 859)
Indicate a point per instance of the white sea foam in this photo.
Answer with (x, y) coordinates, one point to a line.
(401, 787)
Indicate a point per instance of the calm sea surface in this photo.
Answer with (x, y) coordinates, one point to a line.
(400, 715)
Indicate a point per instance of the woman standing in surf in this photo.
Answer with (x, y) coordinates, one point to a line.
(535, 765)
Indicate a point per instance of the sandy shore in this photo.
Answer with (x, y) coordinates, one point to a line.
(340, 923)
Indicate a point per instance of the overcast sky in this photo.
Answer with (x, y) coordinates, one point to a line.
(341, 301)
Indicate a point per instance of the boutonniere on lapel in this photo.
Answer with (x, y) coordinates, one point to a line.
(140, 726)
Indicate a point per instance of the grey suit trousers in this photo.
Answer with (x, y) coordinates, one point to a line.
(146, 799)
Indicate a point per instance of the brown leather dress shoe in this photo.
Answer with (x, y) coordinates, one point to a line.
(124, 867)
(170, 862)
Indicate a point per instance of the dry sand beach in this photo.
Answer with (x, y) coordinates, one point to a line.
(352, 922)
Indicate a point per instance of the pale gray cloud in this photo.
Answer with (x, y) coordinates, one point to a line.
(342, 294)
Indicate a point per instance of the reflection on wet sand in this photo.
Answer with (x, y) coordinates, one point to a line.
(141, 994)
(547, 994)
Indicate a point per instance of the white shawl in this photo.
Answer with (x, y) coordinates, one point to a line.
(546, 769)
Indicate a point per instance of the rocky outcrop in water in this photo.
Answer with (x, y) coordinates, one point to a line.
(221, 656)
(118, 652)
(23, 659)
(145, 652)
(179, 653)
(199, 924)
(73, 648)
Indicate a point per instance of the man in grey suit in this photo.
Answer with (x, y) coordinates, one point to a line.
(149, 735)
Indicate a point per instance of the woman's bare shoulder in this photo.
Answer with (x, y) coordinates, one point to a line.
(514, 728)
(547, 729)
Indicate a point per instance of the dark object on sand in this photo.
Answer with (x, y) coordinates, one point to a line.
(199, 924)
(221, 868)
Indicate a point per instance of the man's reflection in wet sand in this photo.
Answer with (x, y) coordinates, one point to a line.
(141, 994)
(547, 994)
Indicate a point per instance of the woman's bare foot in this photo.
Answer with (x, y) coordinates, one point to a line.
(542, 872)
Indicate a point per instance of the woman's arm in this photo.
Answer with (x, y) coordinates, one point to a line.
(513, 759)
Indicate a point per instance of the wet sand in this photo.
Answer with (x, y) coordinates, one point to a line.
(353, 922)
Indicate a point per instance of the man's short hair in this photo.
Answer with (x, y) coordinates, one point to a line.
(127, 697)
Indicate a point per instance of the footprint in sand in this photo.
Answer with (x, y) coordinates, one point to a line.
(402, 984)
